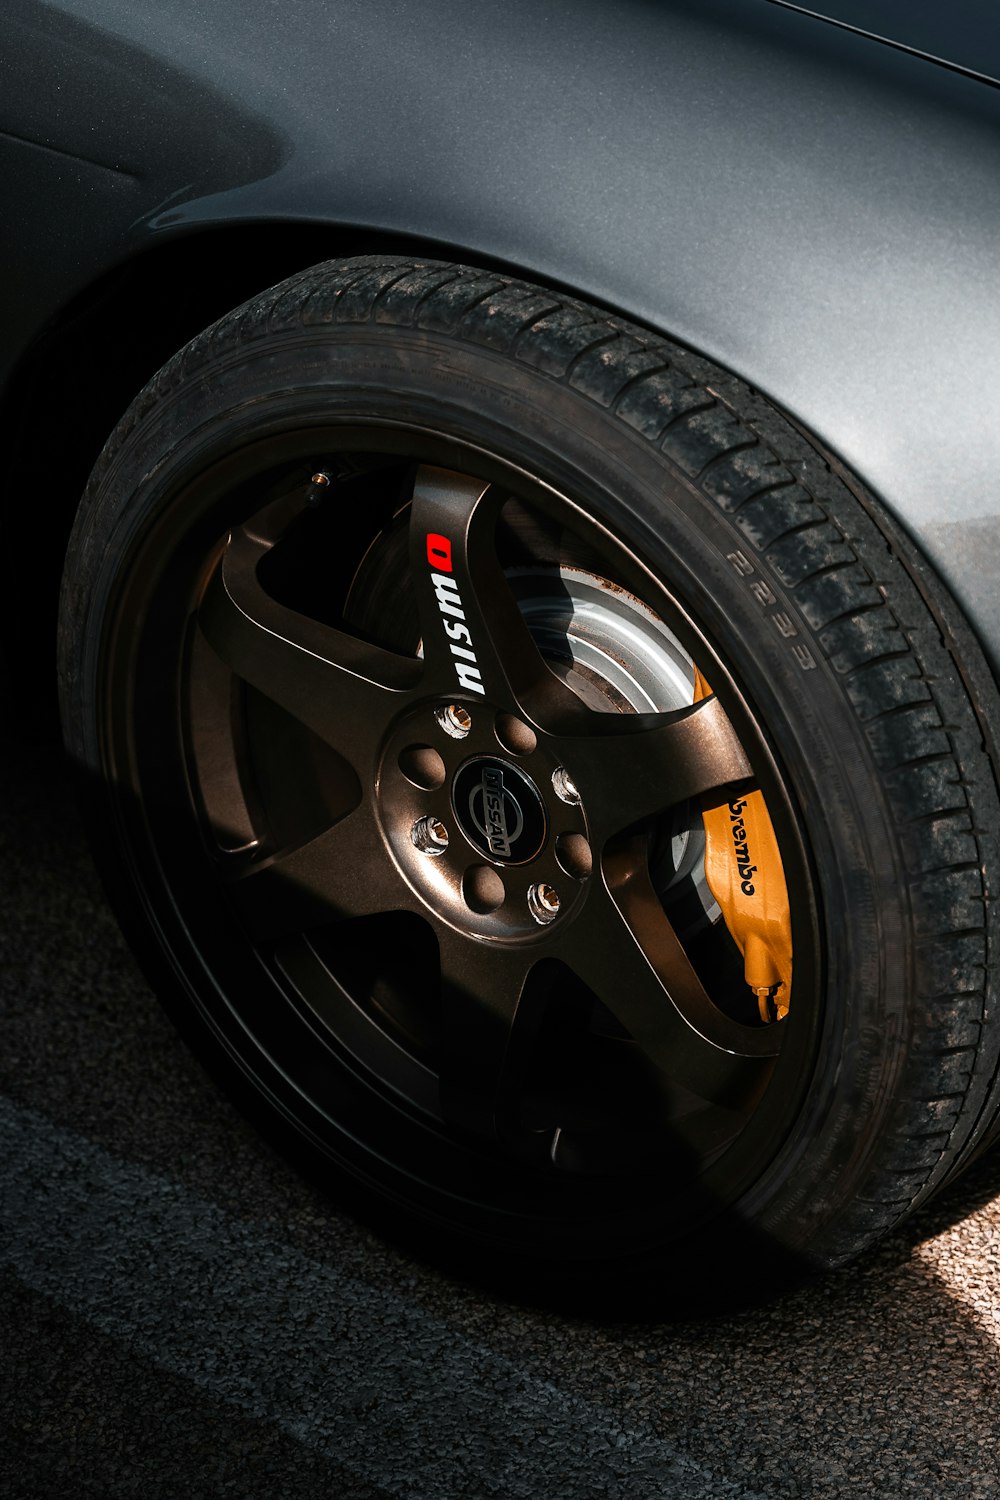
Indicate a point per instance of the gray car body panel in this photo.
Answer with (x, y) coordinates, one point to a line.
(964, 34)
(815, 210)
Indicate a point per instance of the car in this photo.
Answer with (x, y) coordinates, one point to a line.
(528, 639)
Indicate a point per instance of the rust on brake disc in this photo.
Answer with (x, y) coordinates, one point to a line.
(745, 875)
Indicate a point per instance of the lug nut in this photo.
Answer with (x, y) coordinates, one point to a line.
(429, 835)
(543, 903)
(564, 786)
(454, 720)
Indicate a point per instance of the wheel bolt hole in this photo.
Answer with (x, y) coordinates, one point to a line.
(483, 889)
(454, 720)
(574, 855)
(515, 735)
(423, 766)
(429, 835)
(543, 903)
(565, 787)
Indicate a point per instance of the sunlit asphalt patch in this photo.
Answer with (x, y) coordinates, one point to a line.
(967, 1260)
(376, 1384)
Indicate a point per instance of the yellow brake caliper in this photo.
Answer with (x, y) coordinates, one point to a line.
(745, 875)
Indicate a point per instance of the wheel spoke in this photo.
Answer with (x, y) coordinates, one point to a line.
(339, 686)
(630, 956)
(489, 1021)
(630, 767)
(341, 872)
(475, 638)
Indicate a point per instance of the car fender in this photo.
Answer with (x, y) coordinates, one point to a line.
(813, 209)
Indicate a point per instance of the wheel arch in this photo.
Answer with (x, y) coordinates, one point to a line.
(89, 363)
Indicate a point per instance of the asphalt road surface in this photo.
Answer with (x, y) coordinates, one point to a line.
(184, 1316)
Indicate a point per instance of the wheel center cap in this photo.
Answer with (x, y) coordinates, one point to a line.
(499, 810)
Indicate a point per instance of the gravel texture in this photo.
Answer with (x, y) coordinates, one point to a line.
(182, 1314)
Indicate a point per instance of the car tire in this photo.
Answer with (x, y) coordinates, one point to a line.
(529, 1046)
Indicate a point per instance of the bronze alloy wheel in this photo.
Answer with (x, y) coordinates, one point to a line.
(407, 673)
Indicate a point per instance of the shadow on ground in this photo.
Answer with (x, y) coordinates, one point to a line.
(275, 1347)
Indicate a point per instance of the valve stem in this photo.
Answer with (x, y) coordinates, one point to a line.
(318, 485)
